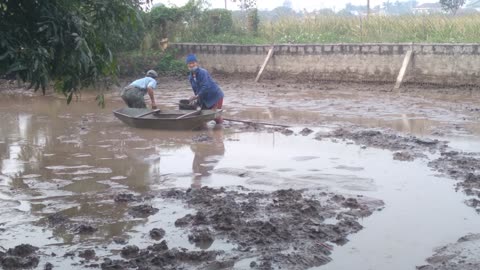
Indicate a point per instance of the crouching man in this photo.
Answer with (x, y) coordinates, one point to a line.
(206, 91)
(133, 94)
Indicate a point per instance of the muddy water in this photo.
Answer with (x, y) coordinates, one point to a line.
(419, 110)
(74, 159)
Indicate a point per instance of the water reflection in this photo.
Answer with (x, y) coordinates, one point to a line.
(207, 156)
(74, 163)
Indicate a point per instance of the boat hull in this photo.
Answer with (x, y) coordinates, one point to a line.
(165, 120)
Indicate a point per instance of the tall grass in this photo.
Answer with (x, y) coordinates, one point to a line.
(341, 29)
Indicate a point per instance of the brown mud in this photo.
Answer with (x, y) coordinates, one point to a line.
(76, 182)
(460, 255)
(283, 229)
(404, 147)
(20, 257)
(464, 167)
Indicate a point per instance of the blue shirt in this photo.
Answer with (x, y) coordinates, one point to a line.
(144, 83)
(203, 86)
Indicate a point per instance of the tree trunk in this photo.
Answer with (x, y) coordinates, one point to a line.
(368, 8)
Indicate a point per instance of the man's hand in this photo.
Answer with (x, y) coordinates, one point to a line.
(152, 97)
(193, 100)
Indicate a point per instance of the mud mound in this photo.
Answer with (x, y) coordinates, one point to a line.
(284, 228)
(306, 132)
(410, 146)
(142, 210)
(120, 240)
(403, 156)
(130, 251)
(85, 229)
(88, 254)
(157, 233)
(125, 197)
(57, 219)
(457, 165)
(162, 259)
(456, 256)
(463, 167)
(20, 257)
(202, 238)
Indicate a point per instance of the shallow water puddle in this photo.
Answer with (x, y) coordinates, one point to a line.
(422, 211)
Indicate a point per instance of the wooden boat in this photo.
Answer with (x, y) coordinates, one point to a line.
(165, 119)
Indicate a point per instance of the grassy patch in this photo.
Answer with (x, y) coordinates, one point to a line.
(348, 29)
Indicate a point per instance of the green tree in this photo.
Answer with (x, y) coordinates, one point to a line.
(68, 42)
(253, 21)
(217, 21)
(246, 4)
(452, 6)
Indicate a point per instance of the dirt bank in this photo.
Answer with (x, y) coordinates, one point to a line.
(461, 255)
(463, 167)
(419, 109)
(403, 147)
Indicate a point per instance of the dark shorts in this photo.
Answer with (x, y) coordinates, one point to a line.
(133, 97)
(216, 106)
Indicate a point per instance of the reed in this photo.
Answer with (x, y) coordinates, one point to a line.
(345, 29)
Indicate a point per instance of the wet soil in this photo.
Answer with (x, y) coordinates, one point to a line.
(157, 233)
(20, 257)
(464, 167)
(88, 254)
(282, 229)
(408, 147)
(142, 210)
(85, 229)
(75, 181)
(420, 109)
(460, 255)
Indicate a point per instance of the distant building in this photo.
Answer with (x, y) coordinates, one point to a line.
(428, 8)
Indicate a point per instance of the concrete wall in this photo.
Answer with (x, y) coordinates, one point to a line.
(453, 64)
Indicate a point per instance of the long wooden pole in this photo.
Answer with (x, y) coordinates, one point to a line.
(269, 55)
(403, 69)
(188, 114)
(254, 122)
(368, 8)
(148, 113)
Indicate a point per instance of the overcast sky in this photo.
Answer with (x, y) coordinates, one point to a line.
(296, 4)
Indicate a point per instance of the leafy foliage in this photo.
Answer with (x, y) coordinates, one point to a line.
(253, 21)
(68, 42)
(164, 22)
(245, 4)
(169, 65)
(136, 63)
(217, 20)
(452, 6)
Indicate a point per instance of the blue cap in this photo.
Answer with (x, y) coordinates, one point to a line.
(191, 58)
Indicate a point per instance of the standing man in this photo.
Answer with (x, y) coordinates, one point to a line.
(206, 91)
(133, 93)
